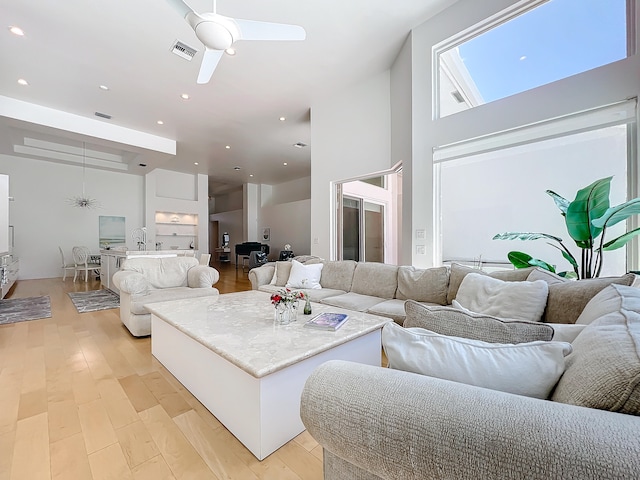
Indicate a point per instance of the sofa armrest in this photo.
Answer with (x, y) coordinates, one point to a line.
(261, 275)
(202, 276)
(399, 425)
(133, 283)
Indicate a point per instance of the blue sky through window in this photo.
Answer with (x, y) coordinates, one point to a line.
(558, 39)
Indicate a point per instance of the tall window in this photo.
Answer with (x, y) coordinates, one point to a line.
(497, 184)
(533, 44)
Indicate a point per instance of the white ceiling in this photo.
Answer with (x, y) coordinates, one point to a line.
(71, 47)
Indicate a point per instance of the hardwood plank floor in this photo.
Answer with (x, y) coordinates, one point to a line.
(83, 399)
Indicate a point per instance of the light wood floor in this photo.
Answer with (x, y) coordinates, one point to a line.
(80, 398)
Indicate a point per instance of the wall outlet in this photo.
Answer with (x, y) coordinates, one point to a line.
(421, 234)
(316, 241)
(421, 249)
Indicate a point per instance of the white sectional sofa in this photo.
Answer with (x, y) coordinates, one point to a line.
(392, 424)
(382, 289)
(142, 281)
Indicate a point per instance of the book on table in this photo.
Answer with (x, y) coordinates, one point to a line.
(327, 321)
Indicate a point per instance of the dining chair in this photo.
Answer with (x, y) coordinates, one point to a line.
(65, 266)
(83, 264)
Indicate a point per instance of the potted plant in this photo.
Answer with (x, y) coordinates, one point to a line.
(587, 219)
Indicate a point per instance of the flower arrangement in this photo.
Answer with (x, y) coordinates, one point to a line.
(286, 296)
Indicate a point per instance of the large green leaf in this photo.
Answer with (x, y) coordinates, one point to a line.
(524, 260)
(525, 236)
(621, 241)
(590, 203)
(568, 257)
(561, 202)
(618, 213)
(519, 259)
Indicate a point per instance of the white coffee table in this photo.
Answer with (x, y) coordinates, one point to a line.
(249, 372)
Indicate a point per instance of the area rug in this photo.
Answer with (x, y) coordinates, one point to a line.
(94, 300)
(14, 310)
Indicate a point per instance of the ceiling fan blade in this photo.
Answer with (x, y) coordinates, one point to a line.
(209, 63)
(254, 30)
(181, 7)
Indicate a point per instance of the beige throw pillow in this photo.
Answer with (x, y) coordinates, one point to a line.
(530, 369)
(475, 326)
(604, 369)
(513, 300)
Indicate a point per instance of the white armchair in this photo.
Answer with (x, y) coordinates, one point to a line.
(148, 280)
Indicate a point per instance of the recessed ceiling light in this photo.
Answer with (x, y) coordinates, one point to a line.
(16, 31)
(184, 96)
(227, 147)
(251, 174)
(195, 163)
(230, 51)
(299, 145)
(236, 169)
(160, 122)
(285, 164)
(103, 87)
(282, 119)
(142, 164)
(523, 57)
(22, 81)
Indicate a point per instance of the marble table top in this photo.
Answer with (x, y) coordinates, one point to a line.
(240, 328)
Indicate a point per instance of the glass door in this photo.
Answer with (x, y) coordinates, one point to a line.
(362, 230)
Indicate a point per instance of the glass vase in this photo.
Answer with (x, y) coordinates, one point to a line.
(284, 313)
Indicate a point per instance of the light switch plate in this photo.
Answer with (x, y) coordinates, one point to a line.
(421, 234)
(421, 249)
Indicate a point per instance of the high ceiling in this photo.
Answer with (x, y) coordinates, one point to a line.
(72, 47)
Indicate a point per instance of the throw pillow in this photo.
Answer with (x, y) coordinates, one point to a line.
(567, 300)
(549, 277)
(423, 284)
(281, 274)
(304, 276)
(530, 369)
(604, 368)
(514, 300)
(453, 322)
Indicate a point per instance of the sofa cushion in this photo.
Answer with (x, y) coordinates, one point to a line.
(549, 277)
(567, 300)
(338, 275)
(166, 272)
(530, 369)
(423, 284)
(304, 276)
(138, 302)
(565, 332)
(353, 301)
(458, 272)
(393, 309)
(281, 274)
(503, 299)
(375, 279)
(453, 322)
(604, 369)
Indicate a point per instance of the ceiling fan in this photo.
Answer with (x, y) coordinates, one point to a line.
(218, 33)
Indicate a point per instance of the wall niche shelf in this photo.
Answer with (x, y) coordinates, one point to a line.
(181, 226)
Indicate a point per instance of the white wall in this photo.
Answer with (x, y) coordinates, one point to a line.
(285, 192)
(350, 137)
(44, 220)
(168, 191)
(289, 223)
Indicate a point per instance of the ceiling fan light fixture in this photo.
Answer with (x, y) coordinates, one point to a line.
(23, 82)
(230, 51)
